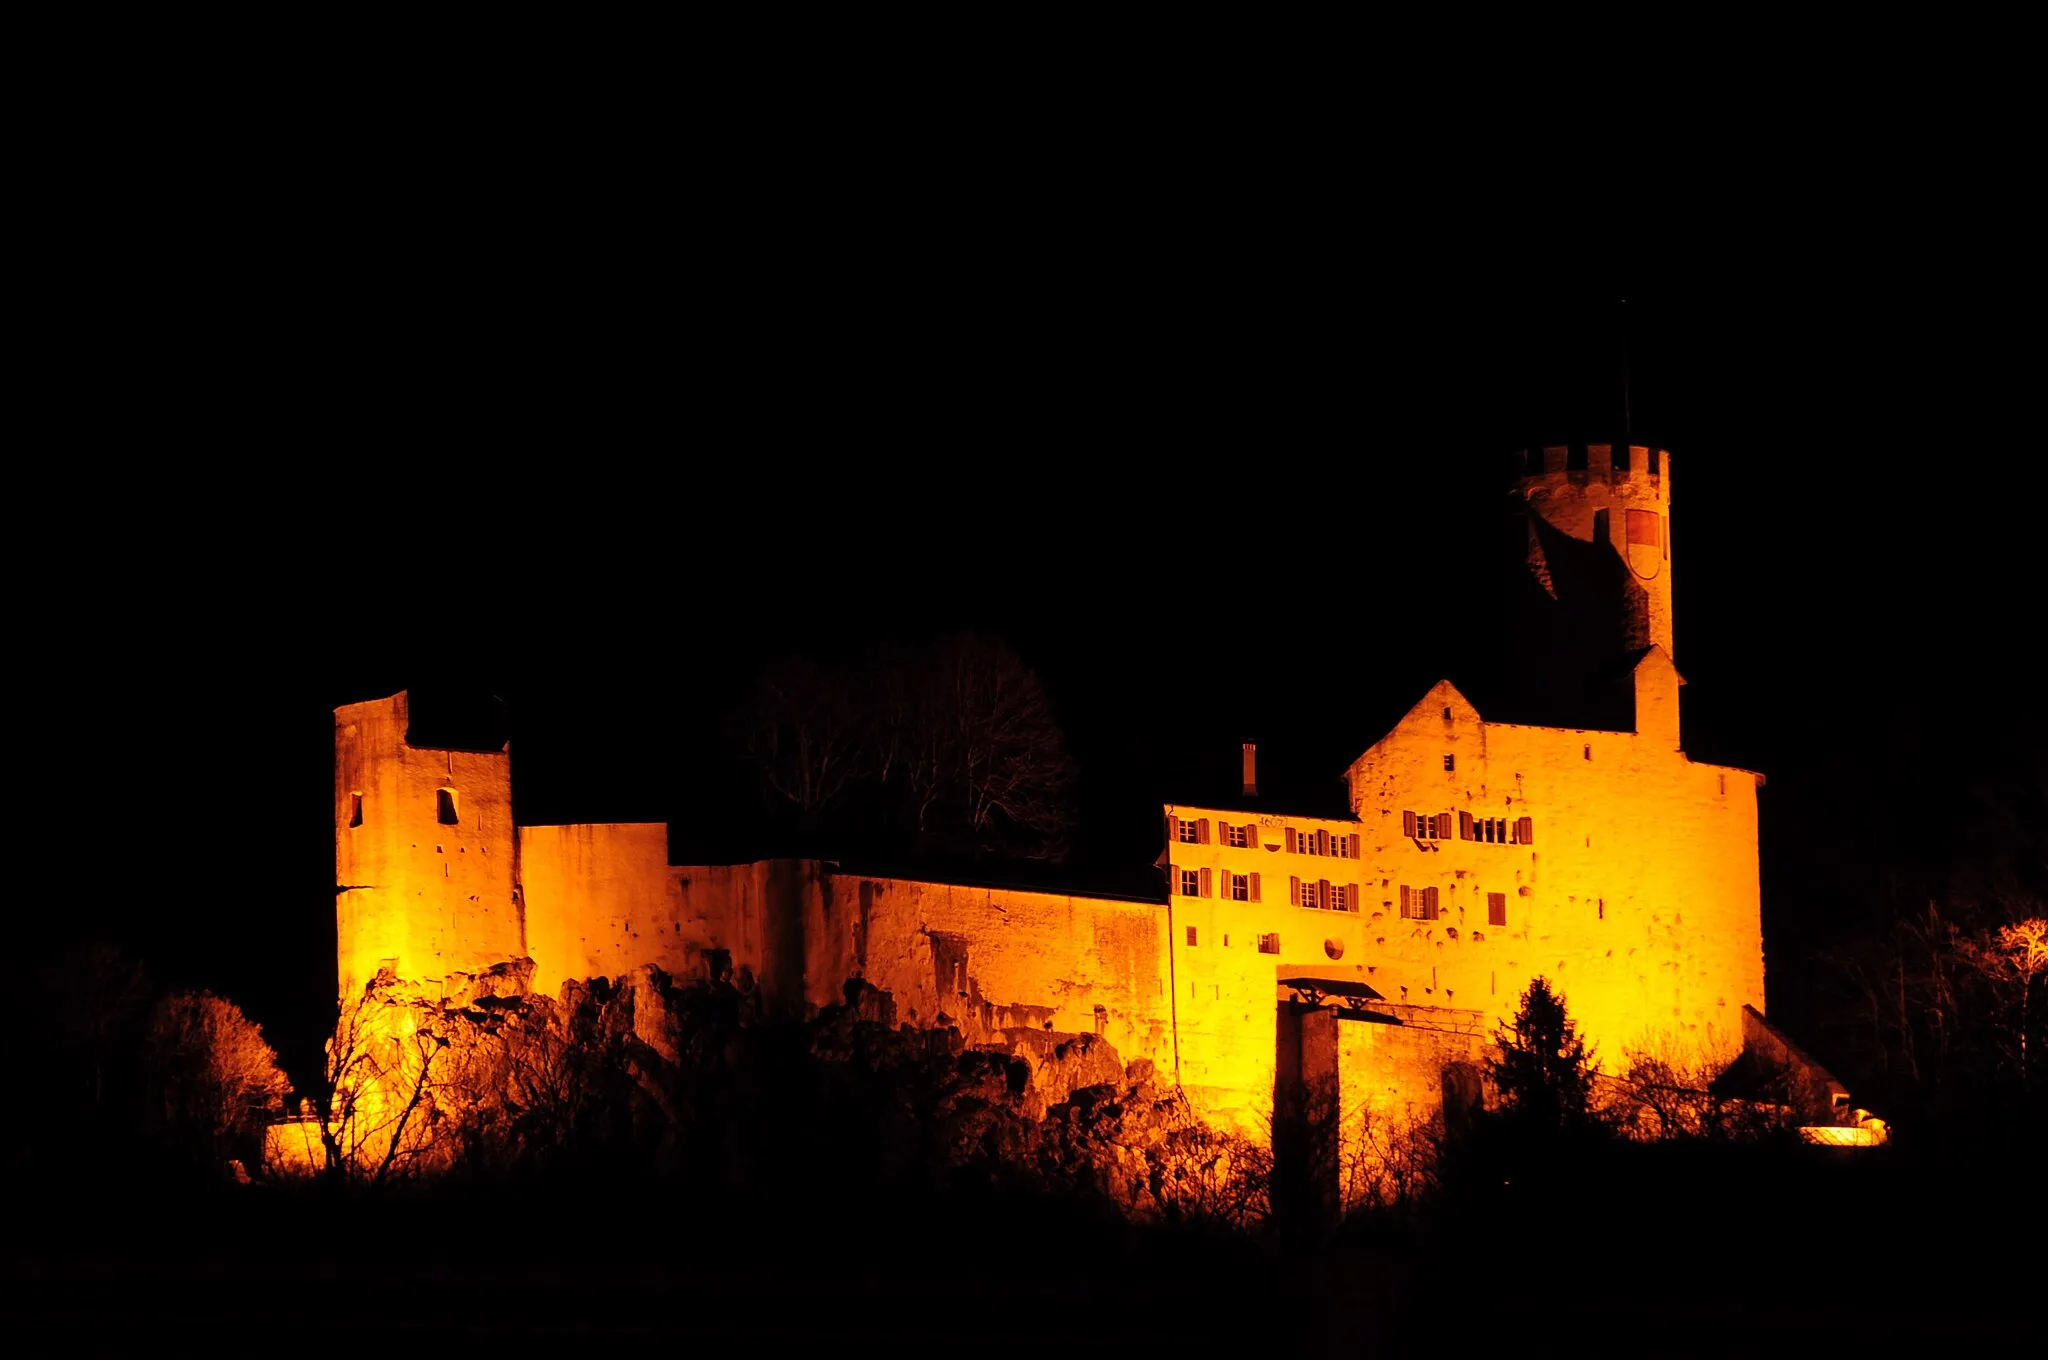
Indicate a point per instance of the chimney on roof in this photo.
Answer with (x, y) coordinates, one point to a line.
(1251, 770)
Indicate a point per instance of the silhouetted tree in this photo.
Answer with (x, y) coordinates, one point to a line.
(213, 1082)
(950, 746)
(1544, 1071)
(969, 735)
(801, 729)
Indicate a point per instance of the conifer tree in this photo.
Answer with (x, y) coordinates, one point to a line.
(1544, 1072)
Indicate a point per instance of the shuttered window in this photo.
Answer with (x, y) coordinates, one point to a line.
(1342, 845)
(1269, 944)
(1238, 837)
(1190, 883)
(1418, 904)
(1487, 830)
(1497, 909)
(1525, 831)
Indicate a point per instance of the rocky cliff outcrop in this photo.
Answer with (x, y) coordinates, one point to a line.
(691, 1084)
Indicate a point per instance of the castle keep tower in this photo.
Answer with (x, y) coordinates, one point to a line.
(425, 852)
(1591, 549)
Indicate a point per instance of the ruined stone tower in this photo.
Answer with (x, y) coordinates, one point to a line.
(1590, 576)
(425, 850)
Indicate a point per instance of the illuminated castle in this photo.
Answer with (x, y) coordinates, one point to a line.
(1361, 951)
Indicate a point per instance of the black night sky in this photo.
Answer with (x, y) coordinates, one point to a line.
(1219, 478)
(596, 379)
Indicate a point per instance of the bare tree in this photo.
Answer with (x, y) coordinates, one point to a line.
(377, 1113)
(951, 745)
(987, 765)
(2012, 960)
(801, 731)
(1668, 1092)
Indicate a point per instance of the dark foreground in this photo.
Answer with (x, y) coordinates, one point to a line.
(1721, 1252)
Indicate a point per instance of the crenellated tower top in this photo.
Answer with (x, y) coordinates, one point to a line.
(1609, 507)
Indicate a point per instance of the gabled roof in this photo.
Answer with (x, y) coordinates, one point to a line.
(1432, 695)
(1632, 661)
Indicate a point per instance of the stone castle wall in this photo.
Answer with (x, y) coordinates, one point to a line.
(1634, 891)
(423, 897)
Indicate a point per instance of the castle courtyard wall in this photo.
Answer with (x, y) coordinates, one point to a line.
(598, 901)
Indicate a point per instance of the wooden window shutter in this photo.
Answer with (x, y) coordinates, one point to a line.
(1322, 841)
(1290, 840)
(1323, 893)
(1443, 825)
(1255, 887)
(1407, 902)
(1526, 829)
(1431, 908)
(1172, 829)
(1408, 825)
(1496, 909)
(1354, 845)
(1202, 831)
(1464, 826)
(1251, 836)
(1354, 899)
(1294, 892)
(1206, 884)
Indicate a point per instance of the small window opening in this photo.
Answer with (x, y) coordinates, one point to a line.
(1269, 944)
(359, 797)
(1447, 712)
(444, 807)
(1589, 751)
(355, 805)
(1603, 909)
(1450, 762)
(1191, 937)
